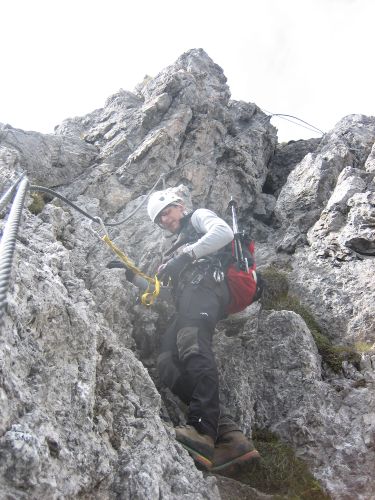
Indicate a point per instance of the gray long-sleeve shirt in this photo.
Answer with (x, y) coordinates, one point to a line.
(216, 233)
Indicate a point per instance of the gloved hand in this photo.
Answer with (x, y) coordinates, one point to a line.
(116, 264)
(173, 267)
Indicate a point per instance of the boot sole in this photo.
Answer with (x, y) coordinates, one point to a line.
(247, 457)
(200, 459)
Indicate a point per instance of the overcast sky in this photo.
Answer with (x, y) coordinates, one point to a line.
(310, 58)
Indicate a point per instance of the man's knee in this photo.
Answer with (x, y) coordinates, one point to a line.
(169, 372)
(187, 342)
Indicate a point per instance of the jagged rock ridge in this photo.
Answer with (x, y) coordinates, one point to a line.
(82, 413)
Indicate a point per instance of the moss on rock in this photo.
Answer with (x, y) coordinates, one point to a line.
(276, 296)
(37, 204)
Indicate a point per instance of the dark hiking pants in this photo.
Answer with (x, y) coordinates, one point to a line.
(186, 362)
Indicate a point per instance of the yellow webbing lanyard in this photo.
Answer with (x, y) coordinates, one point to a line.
(148, 297)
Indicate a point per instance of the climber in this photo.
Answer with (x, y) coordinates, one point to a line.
(186, 361)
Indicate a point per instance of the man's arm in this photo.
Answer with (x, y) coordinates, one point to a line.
(216, 233)
(139, 281)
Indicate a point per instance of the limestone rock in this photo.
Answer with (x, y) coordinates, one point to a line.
(183, 126)
(286, 157)
(311, 183)
(272, 376)
(347, 221)
(47, 159)
(82, 413)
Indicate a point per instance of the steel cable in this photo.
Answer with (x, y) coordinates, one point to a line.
(8, 241)
(8, 194)
(96, 219)
(53, 193)
(310, 127)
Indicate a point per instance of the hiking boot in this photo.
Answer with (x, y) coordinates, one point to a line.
(200, 446)
(233, 448)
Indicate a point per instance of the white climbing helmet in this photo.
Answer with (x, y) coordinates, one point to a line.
(161, 199)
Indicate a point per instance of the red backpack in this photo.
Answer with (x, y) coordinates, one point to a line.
(244, 287)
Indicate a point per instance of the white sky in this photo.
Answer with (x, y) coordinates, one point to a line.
(310, 58)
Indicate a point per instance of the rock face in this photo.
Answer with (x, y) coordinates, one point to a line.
(82, 413)
(286, 157)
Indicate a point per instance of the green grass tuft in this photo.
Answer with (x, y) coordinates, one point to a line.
(280, 472)
(365, 347)
(276, 286)
(37, 204)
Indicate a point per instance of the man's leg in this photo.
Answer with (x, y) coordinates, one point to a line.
(226, 422)
(199, 309)
(201, 373)
(169, 367)
(186, 368)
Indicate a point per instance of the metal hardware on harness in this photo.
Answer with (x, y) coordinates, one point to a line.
(102, 227)
(218, 275)
(197, 279)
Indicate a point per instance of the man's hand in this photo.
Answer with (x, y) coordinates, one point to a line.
(173, 267)
(116, 264)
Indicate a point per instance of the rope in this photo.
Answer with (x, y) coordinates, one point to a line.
(147, 298)
(8, 242)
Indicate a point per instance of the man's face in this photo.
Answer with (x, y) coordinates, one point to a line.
(170, 218)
